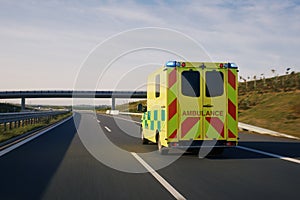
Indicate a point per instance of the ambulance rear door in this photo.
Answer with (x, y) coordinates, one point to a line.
(214, 104)
(201, 103)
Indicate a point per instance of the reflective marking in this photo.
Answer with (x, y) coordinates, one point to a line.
(188, 124)
(107, 128)
(232, 109)
(230, 134)
(172, 78)
(98, 120)
(217, 124)
(163, 113)
(174, 134)
(172, 108)
(231, 79)
(270, 154)
(160, 179)
(155, 114)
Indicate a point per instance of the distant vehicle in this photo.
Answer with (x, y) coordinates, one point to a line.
(189, 103)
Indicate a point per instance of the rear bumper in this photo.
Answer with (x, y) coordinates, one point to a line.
(202, 144)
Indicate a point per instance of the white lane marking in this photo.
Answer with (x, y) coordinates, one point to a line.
(160, 179)
(98, 120)
(270, 154)
(5, 151)
(107, 128)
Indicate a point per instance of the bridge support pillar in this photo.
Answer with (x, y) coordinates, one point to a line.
(23, 104)
(113, 103)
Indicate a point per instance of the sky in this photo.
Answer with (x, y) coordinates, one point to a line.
(46, 44)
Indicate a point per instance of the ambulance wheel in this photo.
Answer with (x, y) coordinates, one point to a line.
(161, 149)
(144, 140)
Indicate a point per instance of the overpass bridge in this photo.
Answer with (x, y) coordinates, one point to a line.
(72, 94)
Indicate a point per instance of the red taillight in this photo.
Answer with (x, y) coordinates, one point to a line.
(183, 64)
(221, 65)
(230, 144)
(175, 144)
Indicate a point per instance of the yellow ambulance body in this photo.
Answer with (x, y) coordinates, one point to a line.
(191, 104)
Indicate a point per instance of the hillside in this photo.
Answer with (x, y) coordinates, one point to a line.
(272, 103)
(275, 111)
(7, 107)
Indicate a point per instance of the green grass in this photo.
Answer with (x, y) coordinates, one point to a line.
(275, 111)
(8, 134)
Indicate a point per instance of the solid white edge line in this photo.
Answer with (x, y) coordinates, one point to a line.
(160, 179)
(107, 128)
(270, 154)
(9, 149)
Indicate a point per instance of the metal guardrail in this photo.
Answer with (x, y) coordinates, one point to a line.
(11, 117)
(22, 118)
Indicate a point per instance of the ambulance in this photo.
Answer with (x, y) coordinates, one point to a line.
(191, 105)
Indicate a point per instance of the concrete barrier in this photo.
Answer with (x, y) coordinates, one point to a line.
(248, 127)
(114, 112)
(129, 113)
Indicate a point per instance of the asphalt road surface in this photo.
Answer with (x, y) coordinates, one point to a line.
(101, 157)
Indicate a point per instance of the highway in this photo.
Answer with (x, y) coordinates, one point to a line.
(57, 165)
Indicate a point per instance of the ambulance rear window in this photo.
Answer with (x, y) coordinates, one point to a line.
(190, 83)
(214, 84)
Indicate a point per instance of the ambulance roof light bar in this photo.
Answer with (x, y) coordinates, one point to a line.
(171, 64)
(175, 64)
(231, 65)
